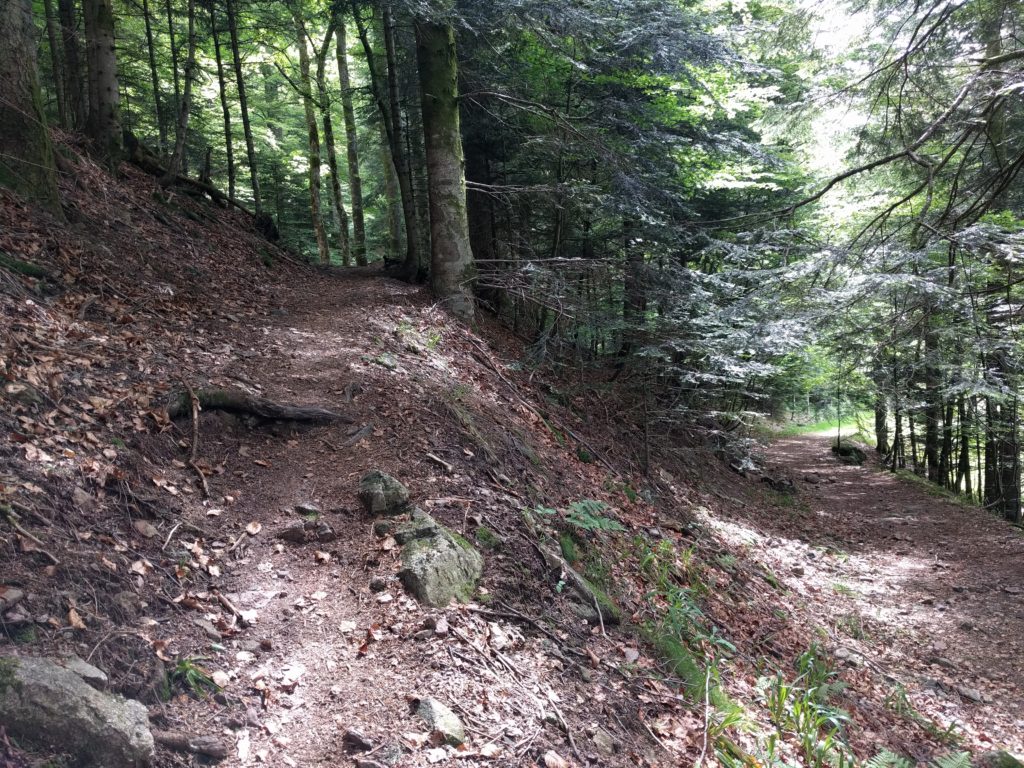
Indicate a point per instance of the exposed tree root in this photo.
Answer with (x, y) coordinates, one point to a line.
(237, 401)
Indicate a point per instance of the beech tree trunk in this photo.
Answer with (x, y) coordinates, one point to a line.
(26, 155)
(314, 139)
(74, 83)
(243, 105)
(355, 182)
(104, 122)
(451, 258)
(225, 110)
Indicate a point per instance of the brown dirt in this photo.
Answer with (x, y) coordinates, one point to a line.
(914, 589)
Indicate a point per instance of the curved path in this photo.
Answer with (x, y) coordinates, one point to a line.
(920, 588)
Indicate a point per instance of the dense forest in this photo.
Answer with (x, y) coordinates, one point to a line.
(707, 218)
(746, 212)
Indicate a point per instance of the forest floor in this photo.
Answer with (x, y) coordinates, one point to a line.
(119, 557)
(906, 580)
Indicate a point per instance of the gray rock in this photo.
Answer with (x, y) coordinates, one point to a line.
(1000, 759)
(604, 742)
(382, 494)
(307, 510)
(442, 720)
(438, 564)
(383, 528)
(48, 705)
(421, 526)
(97, 678)
(356, 741)
(10, 597)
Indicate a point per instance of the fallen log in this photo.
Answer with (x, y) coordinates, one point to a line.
(210, 746)
(237, 401)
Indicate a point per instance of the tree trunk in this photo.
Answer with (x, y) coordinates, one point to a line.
(104, 122)
(174, 62)
(26, 155)
(222, 82)
(184, 108)
(55, 62)
(74, 88)
(451, 258)
(385, 91)
(634, 298)
(340, 215)
(963, 473)
(314, 139)
(161, 118)
(250, 148)
(355, 182)
(392, 196)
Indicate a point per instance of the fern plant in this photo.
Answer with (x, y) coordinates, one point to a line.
(586, 515)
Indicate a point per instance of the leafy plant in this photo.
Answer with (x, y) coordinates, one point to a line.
(586, 515)
(193, 677)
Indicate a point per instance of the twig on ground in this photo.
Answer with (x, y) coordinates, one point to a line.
(170, 536)
(12, 519)
(438, 460)
(194, 449)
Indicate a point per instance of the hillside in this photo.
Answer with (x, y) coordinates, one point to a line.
(225, 573)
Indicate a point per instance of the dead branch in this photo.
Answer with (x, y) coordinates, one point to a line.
(194, 450)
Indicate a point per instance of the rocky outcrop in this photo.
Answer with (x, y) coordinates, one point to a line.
(47, 704)
(437, 564)
(382, 494)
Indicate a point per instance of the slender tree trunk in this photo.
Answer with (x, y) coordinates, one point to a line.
(305, 85)
(74, 88)
(168, 9)
(385, 91)
(392, 196)
(184, 107)
(26, 155)
(881, 423)
(154, 76)
(933, 404)
(355, 182)
(250, 148)
(946, 456)
(634, 294)
(451, 262)
(55, 62)
(104, 123)
(340, 215)
(963, 474)
(225, 110)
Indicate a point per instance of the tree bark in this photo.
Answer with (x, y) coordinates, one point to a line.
(340, 215)
(314, 139)
(250, 148)
(451, 258)
(55, 62)
(26, 155)
(225, 110)
(355, 182)
(169, 11)
(385, 91)
(104, 121)
(74, 88)
(161, 118)
(185, 106)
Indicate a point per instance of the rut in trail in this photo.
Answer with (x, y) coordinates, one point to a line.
(918, 590)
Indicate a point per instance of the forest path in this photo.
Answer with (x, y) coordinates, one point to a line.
(337, 644)
(914, 585)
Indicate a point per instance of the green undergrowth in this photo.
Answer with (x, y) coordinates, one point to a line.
(856, 426)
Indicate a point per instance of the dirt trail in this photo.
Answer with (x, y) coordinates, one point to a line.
(337, 644)
(915, 586)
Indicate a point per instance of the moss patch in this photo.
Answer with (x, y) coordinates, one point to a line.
(8, 678)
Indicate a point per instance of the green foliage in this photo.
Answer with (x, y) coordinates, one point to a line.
(586, 515)
(188, 674)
